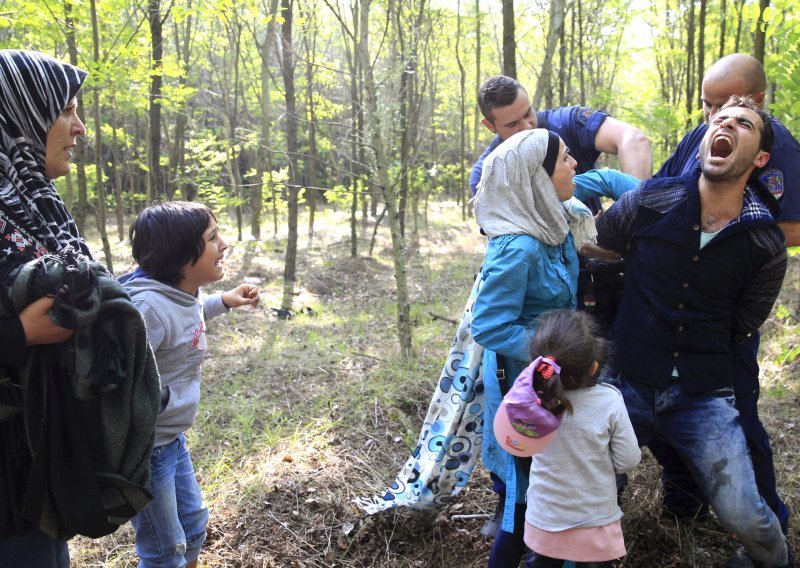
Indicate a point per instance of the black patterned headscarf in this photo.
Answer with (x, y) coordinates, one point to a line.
(34, 89)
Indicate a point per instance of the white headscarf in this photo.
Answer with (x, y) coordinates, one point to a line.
(516, 195)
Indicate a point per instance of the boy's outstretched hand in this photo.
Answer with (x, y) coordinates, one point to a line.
(242, 295)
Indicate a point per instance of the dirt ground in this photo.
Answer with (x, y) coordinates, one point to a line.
(300, 417)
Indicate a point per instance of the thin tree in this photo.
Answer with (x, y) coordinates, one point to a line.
(723, 24)
(117, 169)
(509, 40)
(78, 209)
(701, 51)
(382, 174)
(312, 162)
(100, 210)
(464, 191)
(690, 58)
(287, 71)
(156, 21)
(760, 33)
(543, 85)
(264, 154)
(183, 35)
(476, 122)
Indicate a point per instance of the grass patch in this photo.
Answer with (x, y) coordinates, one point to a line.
(299, 417)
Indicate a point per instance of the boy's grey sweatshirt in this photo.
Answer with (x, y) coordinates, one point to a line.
(176, 331)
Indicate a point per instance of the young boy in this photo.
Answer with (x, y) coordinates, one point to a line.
(179, 249)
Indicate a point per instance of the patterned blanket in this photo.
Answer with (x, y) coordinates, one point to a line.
(449, 443)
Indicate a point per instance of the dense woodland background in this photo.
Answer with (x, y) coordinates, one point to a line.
(357, 120)
(260, 107)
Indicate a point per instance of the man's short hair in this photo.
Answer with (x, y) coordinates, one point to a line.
(497, 91)
(767, 135)
(165, 237)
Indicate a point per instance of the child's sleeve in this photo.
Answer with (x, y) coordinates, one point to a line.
(603, 183)
(212, 305)
(625, 452)
(157, 330)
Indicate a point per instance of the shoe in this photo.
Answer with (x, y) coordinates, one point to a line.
(489, 530)
(742, 559)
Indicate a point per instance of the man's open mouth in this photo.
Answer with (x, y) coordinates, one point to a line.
(721, 146)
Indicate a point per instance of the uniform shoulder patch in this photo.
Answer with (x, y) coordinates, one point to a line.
(584, 114)
(773, 181)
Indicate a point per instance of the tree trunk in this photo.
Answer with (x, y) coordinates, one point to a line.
(118, 203)
(312, 161)
(156, 80)
(760, 35)
(78, 209)
(381, 166)
(740, 6)
(581, 66)
(356, 134)
(701, 52)
(509, 41)
(100, 210)
(287, 71)
(462, 167)
(543, 85)
(476, 121)
(176, 156)
(723, 24)
(264, 154)
(690, 76)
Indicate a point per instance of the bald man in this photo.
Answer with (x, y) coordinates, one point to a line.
(742, 75)
(739, 74)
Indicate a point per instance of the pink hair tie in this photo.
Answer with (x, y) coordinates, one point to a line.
(547, 366)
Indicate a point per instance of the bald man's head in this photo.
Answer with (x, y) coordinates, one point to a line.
(735, 74)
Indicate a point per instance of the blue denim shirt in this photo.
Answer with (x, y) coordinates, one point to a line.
(682, 305)
(523, 278)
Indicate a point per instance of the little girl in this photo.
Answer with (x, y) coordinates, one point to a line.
(572, 511)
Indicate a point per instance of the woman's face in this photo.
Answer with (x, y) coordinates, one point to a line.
(563, 173)
(61, 140)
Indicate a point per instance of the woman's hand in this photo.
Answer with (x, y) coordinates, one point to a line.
(242, 295)
(39, 328)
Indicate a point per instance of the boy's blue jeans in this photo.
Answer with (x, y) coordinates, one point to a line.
(172, 528)
(705, 430)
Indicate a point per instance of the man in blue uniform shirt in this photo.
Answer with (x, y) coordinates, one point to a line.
(739, 74)
(587, 133)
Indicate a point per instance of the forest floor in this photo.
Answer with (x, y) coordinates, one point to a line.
(300, 417)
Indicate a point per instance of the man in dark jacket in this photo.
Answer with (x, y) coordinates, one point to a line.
(705, 262)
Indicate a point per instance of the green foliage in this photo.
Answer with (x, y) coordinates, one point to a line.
(341, 196)
(627, 58)
(784, 67)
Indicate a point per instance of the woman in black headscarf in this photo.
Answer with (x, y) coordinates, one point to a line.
(78, 384)
(39, 127)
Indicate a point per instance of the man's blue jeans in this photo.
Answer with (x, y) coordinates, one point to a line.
(681, 494)
(706, 431)
(172, 528)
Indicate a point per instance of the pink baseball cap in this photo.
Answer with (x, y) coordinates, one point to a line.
(521, 426)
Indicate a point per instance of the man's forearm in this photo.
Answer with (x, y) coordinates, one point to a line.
(791, 229)
(635, 155)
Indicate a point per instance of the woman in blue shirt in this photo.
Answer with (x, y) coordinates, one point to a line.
(525, 206)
